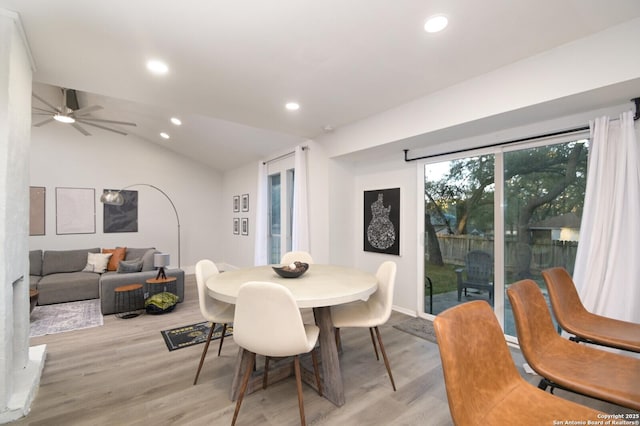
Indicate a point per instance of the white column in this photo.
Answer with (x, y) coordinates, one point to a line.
(20, 366)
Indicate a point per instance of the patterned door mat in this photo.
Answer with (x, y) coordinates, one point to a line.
(193, 334)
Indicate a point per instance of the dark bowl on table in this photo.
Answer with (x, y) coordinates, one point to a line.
(285, 272)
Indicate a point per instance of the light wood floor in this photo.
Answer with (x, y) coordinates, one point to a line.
(123, 374)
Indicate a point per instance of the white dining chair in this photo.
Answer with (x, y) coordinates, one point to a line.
(268, 322)
(211, 309)
(292, 256)
(371, 313)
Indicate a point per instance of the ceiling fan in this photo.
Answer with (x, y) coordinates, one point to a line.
(69, 112)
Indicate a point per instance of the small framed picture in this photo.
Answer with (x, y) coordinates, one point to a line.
(236, 203)
(236, 226)
(245, 226)
(245, 202)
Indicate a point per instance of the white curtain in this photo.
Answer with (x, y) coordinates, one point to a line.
(300, 225)
(261, 245)
(607, 270)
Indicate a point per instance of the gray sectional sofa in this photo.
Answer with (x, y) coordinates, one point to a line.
(59, 277)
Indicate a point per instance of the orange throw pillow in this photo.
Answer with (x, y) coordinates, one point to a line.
(118, 254)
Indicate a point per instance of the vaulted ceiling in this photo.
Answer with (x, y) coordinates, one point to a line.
(234, 64)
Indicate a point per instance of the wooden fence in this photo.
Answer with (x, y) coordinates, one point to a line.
(544, 254)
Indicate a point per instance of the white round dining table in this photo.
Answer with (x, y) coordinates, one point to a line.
(321, 287)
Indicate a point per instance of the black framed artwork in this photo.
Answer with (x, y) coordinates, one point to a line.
(236, 203)
(236, 226)
(245, 226)
(382, 221)
(245, 202)
(122, 218)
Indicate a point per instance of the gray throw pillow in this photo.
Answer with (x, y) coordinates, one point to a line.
(128, 266)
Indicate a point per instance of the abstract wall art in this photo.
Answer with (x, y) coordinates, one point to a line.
(37, 198)
(75, 211)
(122, 218)
(382, 221)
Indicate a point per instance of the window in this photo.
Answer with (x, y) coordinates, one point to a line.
(521, 205)
(280, 207)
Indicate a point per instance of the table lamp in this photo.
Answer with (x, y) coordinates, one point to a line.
(160, 260)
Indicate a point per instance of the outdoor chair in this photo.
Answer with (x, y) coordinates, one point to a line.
(477, 273)
(563, 364)
(486, 388)
(586, 327)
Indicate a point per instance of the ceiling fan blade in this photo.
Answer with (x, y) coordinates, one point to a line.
(42, 123)
(80, 129)
(48, 111)
(40, 113)
(102, 127)
(99, 120)
(86, 110)
(56, 109)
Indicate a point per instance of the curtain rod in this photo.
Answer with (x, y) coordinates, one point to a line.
(546, 135)
(283, 155)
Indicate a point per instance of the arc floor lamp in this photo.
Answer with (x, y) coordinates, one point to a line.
(115, 198)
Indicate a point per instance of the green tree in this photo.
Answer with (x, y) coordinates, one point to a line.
(539, 183)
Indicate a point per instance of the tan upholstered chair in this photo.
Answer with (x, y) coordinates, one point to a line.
(482, 382)
(211, 309)
(578, 368)
(292, 256)
(268, 322)
(371, 313)
(585, 326)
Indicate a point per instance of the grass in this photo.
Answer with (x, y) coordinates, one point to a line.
(443, 277)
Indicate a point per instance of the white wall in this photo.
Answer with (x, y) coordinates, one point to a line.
(63, 157)
(385, 175)
(239, 249)
(597, 62)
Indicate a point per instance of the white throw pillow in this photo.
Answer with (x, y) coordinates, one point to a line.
(97, 262)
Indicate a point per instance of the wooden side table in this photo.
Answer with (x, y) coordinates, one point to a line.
(33, 299)
(158, 285)
(129, 300)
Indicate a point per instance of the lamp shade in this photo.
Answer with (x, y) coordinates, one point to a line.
(113, 198)
(161, 260)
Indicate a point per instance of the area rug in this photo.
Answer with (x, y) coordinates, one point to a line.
(61, 317)
(419, 327)
(192, 334)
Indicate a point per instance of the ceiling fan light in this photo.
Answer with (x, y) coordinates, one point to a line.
(64, 118)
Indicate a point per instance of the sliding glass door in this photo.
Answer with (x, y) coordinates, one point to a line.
(499, 217)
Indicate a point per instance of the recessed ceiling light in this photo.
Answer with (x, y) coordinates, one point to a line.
(164, 135)
(436, 23)
(176, 121)
(157, 67)
(292, 106)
